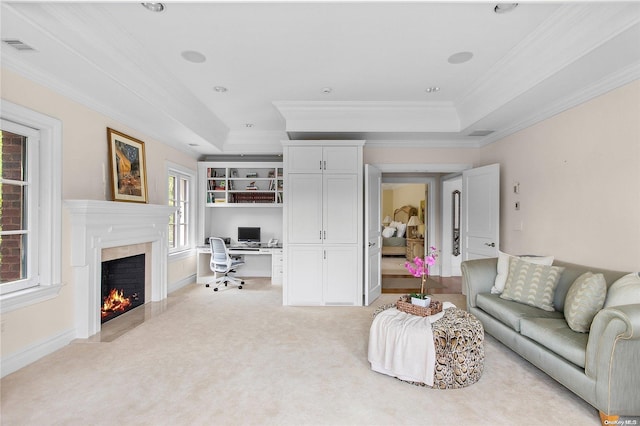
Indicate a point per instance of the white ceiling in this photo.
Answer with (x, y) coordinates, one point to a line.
(275, 58)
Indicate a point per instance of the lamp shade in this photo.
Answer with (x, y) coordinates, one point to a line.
(386, 220)
(414, 221)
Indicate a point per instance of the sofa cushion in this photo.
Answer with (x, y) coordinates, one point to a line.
(503, 268)
(584, 299)
(555, 335)
(531, 284)
(510, 313)
(625, 291)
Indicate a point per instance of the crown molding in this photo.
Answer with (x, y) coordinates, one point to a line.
(377, 116)
(555, 49)
(186, 114)
(599, 88)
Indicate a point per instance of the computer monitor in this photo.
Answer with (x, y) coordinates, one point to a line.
(248, 234)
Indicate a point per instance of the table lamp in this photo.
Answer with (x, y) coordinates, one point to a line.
(414, 221)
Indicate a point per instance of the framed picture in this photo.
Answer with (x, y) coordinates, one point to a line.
(128, 168)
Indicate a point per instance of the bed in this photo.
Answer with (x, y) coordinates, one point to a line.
(394, 242)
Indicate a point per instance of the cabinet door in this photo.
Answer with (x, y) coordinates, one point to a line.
(341, 285)
(305, 209)
(341, 214)
(341, 159)
(304, 159)
(304, 275)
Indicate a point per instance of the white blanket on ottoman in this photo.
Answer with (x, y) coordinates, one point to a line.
(401, 345)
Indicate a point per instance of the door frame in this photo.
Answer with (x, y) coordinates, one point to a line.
(411, 172)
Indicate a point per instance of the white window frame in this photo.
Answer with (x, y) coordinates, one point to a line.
(47, 222)
(179, 171)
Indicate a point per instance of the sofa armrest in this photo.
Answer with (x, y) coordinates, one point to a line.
(612, 358)
(478, 276)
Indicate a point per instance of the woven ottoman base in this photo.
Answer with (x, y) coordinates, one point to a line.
(459, 343)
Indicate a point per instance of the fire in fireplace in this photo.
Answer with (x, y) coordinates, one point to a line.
(122, 286)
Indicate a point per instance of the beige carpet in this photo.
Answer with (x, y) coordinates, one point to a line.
(238, 357)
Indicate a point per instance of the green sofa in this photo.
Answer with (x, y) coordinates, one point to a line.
(601, 366)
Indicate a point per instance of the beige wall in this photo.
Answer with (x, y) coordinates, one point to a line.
(401, 195)
(85, 158)
(579, 175)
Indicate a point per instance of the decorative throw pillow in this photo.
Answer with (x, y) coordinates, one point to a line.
(401, 228)
(503, 268)
(531, 284)
(583, 301)
(625, 291)
(388, 232)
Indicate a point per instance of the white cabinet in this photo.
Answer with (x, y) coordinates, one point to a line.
(323, 223)
(320, 159)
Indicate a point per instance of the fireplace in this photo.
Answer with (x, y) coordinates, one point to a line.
(105, 230)
(122, 286)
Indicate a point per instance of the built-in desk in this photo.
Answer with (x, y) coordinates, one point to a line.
(251, 268)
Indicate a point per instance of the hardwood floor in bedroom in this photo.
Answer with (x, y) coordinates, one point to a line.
(396, 279)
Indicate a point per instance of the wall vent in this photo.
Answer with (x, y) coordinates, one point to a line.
(18, 45)
(481, 132)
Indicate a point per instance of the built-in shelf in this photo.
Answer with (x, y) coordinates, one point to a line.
(242, 184)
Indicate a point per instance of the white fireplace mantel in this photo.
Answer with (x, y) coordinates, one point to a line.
(96, 225)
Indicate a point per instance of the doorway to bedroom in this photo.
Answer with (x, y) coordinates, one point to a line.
(404, 231)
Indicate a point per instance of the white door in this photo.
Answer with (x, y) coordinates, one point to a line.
(481, 212)
(373, 238)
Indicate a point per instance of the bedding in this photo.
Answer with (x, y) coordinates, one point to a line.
(394, 242)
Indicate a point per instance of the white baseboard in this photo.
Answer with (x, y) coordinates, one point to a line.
(35, 351)
(191, 279)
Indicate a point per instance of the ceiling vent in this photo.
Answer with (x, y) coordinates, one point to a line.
(18, 45)
(481, 132)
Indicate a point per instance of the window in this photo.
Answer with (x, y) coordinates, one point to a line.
(30, 204)
(18, 206)
(180, 194)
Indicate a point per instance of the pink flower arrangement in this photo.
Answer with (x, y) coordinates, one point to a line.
(419, 268)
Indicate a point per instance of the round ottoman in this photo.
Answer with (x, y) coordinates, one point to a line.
(459, 344)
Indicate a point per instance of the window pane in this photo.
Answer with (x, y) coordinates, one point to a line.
(12, 207)
(183, 235)
(12, 258)
(172, 238)
(172, 190)
(184, 189)
(14, 154)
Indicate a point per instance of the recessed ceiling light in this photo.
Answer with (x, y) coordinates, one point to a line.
(154, 7)
(432, 89)
(193, 56)
(220, 89)
(248, 125)
(460, 57)
(504, 7)
(327, 90)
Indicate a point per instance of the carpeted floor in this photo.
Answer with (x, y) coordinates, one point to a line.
(239, 357)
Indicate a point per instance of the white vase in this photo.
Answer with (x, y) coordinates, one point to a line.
(421, 302)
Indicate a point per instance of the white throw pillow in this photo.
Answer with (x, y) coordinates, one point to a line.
(503, 268)
(388, 232)
(401, 228)
(625, 291)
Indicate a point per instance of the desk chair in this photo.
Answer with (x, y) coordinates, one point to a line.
(222, 263)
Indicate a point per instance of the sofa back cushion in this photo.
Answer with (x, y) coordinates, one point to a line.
(625, 291)
(571, 273)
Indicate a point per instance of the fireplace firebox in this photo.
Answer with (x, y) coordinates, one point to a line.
(123, 285)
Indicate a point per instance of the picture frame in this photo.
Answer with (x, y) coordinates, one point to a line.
(127, 168)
